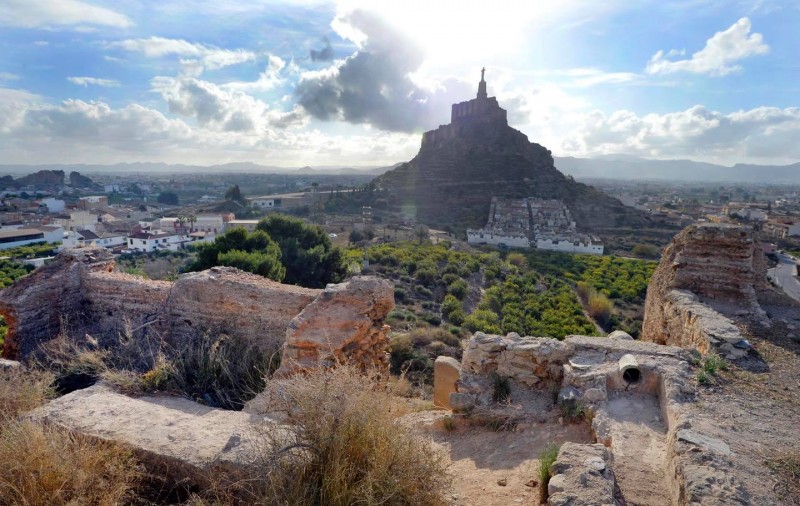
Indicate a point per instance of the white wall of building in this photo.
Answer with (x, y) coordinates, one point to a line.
(53, 205)
(484, 237)
(569, 246)
(171, 242)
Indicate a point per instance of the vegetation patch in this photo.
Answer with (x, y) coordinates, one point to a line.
(547, 458)
(345, 445)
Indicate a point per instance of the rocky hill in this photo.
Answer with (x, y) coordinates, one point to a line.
(460, 166)
(43, 178)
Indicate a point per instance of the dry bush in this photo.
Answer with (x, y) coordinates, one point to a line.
(42, 464)
(599, 307)
(786, 466)
(344, 445)
(22, 391)
(216, 370)
(47, 465)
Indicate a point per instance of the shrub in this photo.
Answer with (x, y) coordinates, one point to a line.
(426, 276)
(517, 260)
(546, 460)
(344, 445)
(502, 388)
(458, 289)
(599, 307)
(45, 464)
(22, 391)
(645, 251)
(400, 294)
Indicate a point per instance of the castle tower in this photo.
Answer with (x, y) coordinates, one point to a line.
(482, 86)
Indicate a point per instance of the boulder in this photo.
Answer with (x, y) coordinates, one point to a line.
(446, 371)
(618, 334)
(343, 324)
(169, 434)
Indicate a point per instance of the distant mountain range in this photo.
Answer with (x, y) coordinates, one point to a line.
(164, 168)
(633, 168)
(604, 167)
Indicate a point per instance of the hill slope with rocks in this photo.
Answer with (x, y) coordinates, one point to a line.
(460, 166)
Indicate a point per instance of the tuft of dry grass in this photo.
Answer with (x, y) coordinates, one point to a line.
(787, 468)
(22, 390)
(546, 460)
(43, 464)
(343, 444)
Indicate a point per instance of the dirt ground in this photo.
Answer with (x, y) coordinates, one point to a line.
(755, 408)
(479, 458)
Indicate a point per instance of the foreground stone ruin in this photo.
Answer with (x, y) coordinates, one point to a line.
(80, 295)
(708, 274)
(638, 396)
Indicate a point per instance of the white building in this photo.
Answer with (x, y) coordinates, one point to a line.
(264, 202)
(749, 213)
(111, 188)
(23, 236)
(108, 240)
(481, 236)
(148, 242)
(586, 246)
(249, 225)
(53, 205)
(211, 223)
(77, 220)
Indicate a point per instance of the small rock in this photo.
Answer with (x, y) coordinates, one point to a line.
(502, 482)
(532, 483)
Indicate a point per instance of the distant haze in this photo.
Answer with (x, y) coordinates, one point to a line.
(640, 169)
(607, 167)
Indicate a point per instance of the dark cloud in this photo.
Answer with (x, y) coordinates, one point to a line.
(324, 54)
(373, 85)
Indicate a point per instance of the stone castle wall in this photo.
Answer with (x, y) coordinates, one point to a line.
(80, 295)
(708, 273)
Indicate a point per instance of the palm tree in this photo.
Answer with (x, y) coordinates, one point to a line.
(192, 219)
(181, 221)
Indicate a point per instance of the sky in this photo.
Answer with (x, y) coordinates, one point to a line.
(355, 83)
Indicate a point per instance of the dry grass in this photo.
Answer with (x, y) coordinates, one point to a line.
(786, 467)
(345, 445)
(42, 464)
(22, 391)
(216, 370)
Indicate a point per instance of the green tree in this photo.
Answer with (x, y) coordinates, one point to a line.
(235, 194)
(252, 252)
(309, 256)
(168, 198)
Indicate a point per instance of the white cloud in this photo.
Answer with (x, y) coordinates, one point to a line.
(763, 134)
(93, 132)
(8, 76)
(93, 81)
(720, 55)
(222, 109)
(267, 80)
(54, 13)
(209, 57)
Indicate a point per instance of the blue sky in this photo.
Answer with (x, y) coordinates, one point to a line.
(357, 82)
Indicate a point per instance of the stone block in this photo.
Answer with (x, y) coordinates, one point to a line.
(446, 371)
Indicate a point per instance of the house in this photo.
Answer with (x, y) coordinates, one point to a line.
(53, 205)
(158, 240)
(210, 223)
(782, 230)
(249, 225)
(23, 236)
(77, 220)
(108, 240)
(93, 202)
(265, 202)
